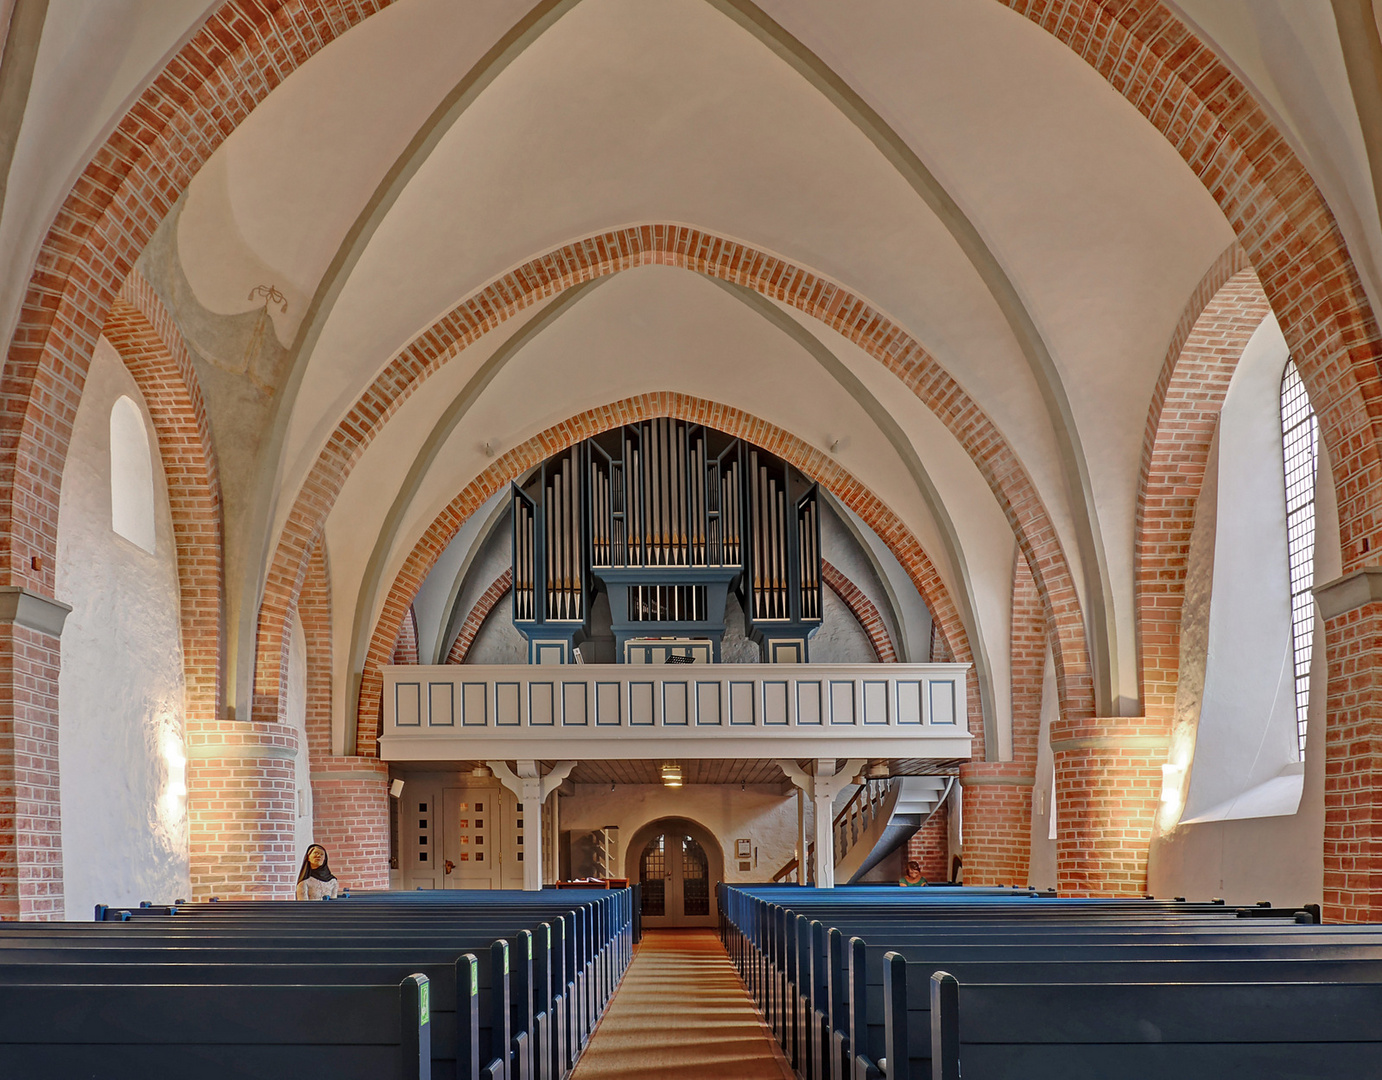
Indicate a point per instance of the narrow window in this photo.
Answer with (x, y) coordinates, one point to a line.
(131, 476)
(1300, 434)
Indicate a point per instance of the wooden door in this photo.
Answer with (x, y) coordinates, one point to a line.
(420, 827)
(471, 830)
(674, 872)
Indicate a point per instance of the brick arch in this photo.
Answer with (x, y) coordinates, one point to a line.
(314, 616)
(144, 335)
(998, 794)
(715, 256)
(1181, 426)
(863, 609)
(350, 801)
(224, 855)
(405, 647)
(244, 50)
(1286, 229)
(477, 616)
(812, 462)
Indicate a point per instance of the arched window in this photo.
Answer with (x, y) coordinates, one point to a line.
(1300, 435)
(131, 476)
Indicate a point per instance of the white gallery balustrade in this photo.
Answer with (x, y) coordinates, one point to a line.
(612, 711)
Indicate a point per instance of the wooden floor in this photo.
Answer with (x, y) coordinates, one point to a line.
(681, 1011)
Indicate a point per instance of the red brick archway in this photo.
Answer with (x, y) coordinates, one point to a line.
(1280, 218)
(244, 50)
(226, 851)
(240, 54)
(705, 253)
(405, 648)
(1181, 426)
(149, 343)
(1293, 242)
(350, 800)
(812, 462)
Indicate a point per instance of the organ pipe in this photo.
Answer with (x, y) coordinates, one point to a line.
(666, 495)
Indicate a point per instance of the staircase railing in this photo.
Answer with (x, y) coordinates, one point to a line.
(859, 814)
(850, 823)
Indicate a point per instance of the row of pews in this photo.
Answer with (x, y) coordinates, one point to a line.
(916, 984)
(414, 986)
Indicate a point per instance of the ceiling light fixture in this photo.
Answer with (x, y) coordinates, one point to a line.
(671, 775)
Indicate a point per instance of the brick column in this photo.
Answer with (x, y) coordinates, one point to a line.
(930, 846)
(1108, 788)
(30, 800)
(997, 821)
(242, 809)
(350, 818)
(1352, 741)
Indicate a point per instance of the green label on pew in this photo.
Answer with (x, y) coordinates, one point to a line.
(424, 1011)
(529, 941)
(474, 977)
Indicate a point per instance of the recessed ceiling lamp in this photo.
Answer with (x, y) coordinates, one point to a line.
(671, 775)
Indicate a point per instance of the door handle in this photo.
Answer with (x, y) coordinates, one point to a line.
(450, 866)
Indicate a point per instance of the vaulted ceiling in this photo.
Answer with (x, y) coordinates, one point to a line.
(1009, 229)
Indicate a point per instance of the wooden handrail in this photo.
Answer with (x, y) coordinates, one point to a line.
(869, 796)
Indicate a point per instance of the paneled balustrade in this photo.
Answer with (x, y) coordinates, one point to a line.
(605, 711)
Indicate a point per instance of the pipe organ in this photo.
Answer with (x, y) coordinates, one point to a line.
(665, 517)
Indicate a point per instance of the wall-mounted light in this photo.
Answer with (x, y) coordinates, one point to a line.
(671, 775)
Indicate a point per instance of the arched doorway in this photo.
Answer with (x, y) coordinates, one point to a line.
(677, 862)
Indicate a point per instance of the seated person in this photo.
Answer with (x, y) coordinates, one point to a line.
(315, 879)
(912, 875)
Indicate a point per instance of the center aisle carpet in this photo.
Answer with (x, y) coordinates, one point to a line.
(681, 1011)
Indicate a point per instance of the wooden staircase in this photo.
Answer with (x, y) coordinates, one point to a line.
(879, 817)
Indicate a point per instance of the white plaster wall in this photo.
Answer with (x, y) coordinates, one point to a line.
(445, 598)
(847, 553)
(1247, 731)
(297, 720)
(840, 640)
(1266, 858)
(914, 640)
(490, 558)
(121, 748)
(759, 812)
(498, 642)
(735, 646)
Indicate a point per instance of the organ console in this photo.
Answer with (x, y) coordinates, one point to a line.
(666, 518)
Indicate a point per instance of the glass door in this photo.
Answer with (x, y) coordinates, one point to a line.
(674, 872)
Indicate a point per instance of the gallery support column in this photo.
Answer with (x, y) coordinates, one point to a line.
(997, 821)
(350, 818)
(242, 809)
(31, 881)
(1108, 789)
(823, 785)
(1352, 745)
(532, 790)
